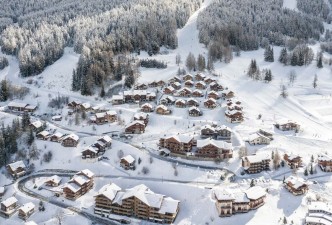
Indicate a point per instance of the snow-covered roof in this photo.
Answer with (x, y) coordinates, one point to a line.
(321, 206)
(197, 91)
(180, 101)
(257, 158)
(210, 100)
(73, 187)
(213, 92)
(146, 105)
(111, 113)
(223, 195)
(100, 115)
(31, 106)
(17, 104)
(255, 192)
(72, 136)
(44, 133)
(86, 105)
(163, 107)
(324, 157)
(218, 144)
(88, 173)
(201, 83)
(117, 97)
(91, 148)
(109, 191)
(135, 122)
(181, 138)
(170, 88)
(56, 117)
(55, 179)
(79, 179)
(284, 121)
(26, 208)
(194, 108)
(144, 194)
(140, 115)
(37, 124)
(232, 112)
(139, 92)
(2, 190)
(15, 165)
(57, 134)
(176, 83)
(293, 156)
(296, 182)
(128, 158)
(9, 201)
(30, 223)
(223, 127)
(185, 89)
(256, 135)
(169, 205)
(188, 82)
(317, 220)
(192, 99)
(106, 139)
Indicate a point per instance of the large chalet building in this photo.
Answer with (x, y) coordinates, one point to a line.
(17, 169)
(293, 161)
(70, 140)
(325, 162)
(216, 132)
(296, 185)
(138, 201)
(8, 207)
(80, 184)
(214, 149)
(286, 125)
(256, 163)
(229, 202)
(135, 127)
(180, 144)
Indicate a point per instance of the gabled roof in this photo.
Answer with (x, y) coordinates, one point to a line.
(86, 105)
(106, 139)
(73, 187)
(55, 179)
(181, 138)
(209, 127)
(117, 97)
(140, 115)
(296, 182)
(15, 165)
(57, 134)
(72, 136)
(37, 124)
(324, 157)
(255, 136)
(257, 158)
(128, 158)
(44, 133)
(210, 100)
(91, 148)
(86, 172)
(163, 107)
(169, 205)
(9, 201)
(218, 144)
(17, 104)
(30, 223)
(180, 100)
(111, 113)
(192, 99)
(146, 105)
(109, 191)
(144, 194)
(224, 195)
(26, 208)
(170, 88)
(255, 192)
(194, 108)
(223, 127)
(140, 122)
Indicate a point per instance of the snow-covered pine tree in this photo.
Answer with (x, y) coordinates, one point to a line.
(283, 58)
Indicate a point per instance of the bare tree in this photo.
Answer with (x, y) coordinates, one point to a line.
(292, 77)
(276, 160)
(243, 151)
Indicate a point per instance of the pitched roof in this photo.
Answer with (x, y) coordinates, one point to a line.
(109, 191)
(88, 173)
(181, 138)
(72, 136)
(257, 158)
(57, 134)
(255, 192)
(142, 115)
(17, 104)
(37, 124)
(140, 122)
(9, 201)
(106, 139)
(27, 207)
(44, 133)
(218, 144)
(296, 182)
(128, 158)
(55, 179)
(15, 165)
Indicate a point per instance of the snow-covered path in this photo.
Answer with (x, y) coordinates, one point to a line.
(188, 35)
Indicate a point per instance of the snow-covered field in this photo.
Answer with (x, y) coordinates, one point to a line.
(311, 108)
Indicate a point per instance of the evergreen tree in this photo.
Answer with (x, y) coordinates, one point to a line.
(283, 56)
(200, 62)
(311, 169)
(294, 60)
(102, 92)
(300, 60)
(30, 138)
(314, 83)
(312, 159)
(210, 65)
(285, 220)
(320, 60)
(4, 91)
(268, 76)
(129, 81)
(268, 54)
(253, 71)
(191, 62)
(252, 183)
(25, 121)
(306, 172)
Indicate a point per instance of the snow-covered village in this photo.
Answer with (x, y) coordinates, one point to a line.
(188, 112)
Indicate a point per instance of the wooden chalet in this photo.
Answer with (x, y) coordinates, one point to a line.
(258, 139)
(80, 184)
(188, 77)
(296, 185)
(44, 135)
(189, 83)
(70, 140)
(104, 117)
(142, 116)
(176, 85)
(293, 161)
(36, 126)
(147, 107)
(169, 90)
(174, 79)
(138, 201)
(214, 86)
(161, 83)
(286, 125)
(229, 202)
(90, 152)
(192, 102)
(216, 132)
(26, 210)
(227, 94)
(107, 140)
(209, 80)
(53, 181)
(8, 207)
(325, 162)
(197, 93)
(135, 127)
(56, 137)
(167, 100)
(234, 116)
(184, 92)
(86, 106)
(199, 77)
(210, 103)
(21, 107)
(163, 110)
(74, 105)
(117, 99)
(17, 169)
(180, 144)
(213, 94)
(201, 85)
(194, 111)
(256, 163)
(208, 148)
(141, 87)
(181, 103)
(127, 162)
